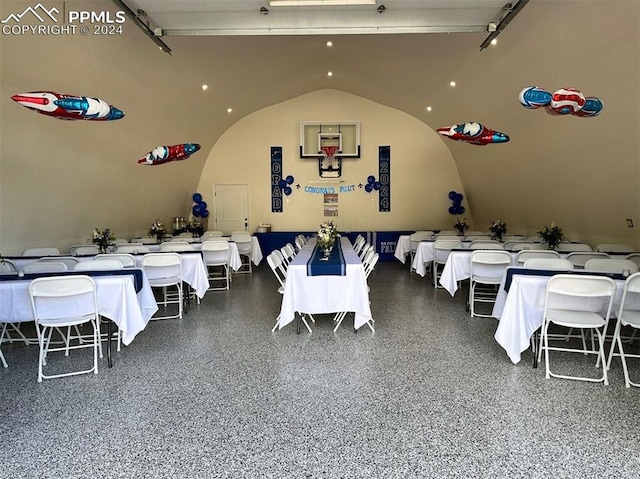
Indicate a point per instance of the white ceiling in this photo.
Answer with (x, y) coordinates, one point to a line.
(243, 17)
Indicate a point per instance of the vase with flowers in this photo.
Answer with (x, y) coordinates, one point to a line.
(158, 230)
(461, 226)
(103, 238)
(498, 228)
(326, 237)
(552, 235)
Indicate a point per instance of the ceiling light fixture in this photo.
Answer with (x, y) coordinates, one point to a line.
(329, 43)
(512, 11)
(452, 83)
(316, 3)
(428, 108)
(229, 110)
(205, 87)
(329, 74)
(144, 25)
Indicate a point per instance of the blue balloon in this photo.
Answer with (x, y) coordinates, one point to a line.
(452, 210)
(377, 185)
(371, 179)
(287, 190)
(290, 180)
(197, 197)
(460, 210)
(203, 205)
(282, 183)
(196, 210)
(459, 197)
(205, 213)
(368, 187)
(452, 195)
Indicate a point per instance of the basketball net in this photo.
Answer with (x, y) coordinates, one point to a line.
(329, 152)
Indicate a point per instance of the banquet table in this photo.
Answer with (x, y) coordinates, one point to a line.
(403, 248)
(234, 258)
(520, 309)
(117, 300)
(424, 255)
(326, 293)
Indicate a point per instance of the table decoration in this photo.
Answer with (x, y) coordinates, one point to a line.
(158, 230)
(103, 238)
(327, 235)
(498, 228)
(552, 235)
(461, 225)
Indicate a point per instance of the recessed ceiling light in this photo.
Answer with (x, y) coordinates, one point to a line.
(428, 108)
(452, 83)
(205, 87)
(229, 110)
(329, 43)
(329, 74)
(494, 41)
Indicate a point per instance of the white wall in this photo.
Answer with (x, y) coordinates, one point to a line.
(422, 168)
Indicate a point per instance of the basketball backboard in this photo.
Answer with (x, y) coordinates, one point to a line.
(318, 135)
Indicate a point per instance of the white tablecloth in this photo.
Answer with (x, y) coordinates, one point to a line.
(458, 268)
(117, 300)
(520, 312)
(403, 248)
(424, 256)
(234, 258)
(326, 294)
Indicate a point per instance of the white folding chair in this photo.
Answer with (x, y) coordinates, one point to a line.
(164, 270)
(369, 265)
(516, 245)
(41, 252)
(244, 243)
(132, 248)
(558, 264)
(175, 246)
(487, 270)
(59, 302)
(628, 314)
(485, 244)
(216, 258)
(86, 250)
(635, 257)
(577, 302)
(7, 266)
(276, 264)
(98, 265)
(524, 255)
(288, 252)
(44, 267)
(614, 248)
(579, 258)
(70, 261)
(441, 250)
(566, 247)
(612, 265)
(127, 260)
(415, 240)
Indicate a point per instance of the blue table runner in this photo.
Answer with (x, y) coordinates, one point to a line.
(335, 266)
(511, 272)
(136, 273)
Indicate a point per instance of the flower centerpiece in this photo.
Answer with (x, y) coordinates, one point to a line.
(498, 228)
(196, 228)
(552, 235)
(158, 230)
(103, 238)
(461, 225)
(327, 235)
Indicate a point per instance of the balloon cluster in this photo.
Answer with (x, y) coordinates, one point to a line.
(564, 101)
(456, 208)
(284, 185)
(372, 184)
(200, 207)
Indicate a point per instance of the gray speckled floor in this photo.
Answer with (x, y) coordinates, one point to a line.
(430, 394)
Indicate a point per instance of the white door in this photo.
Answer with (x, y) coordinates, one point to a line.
(231, 208)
